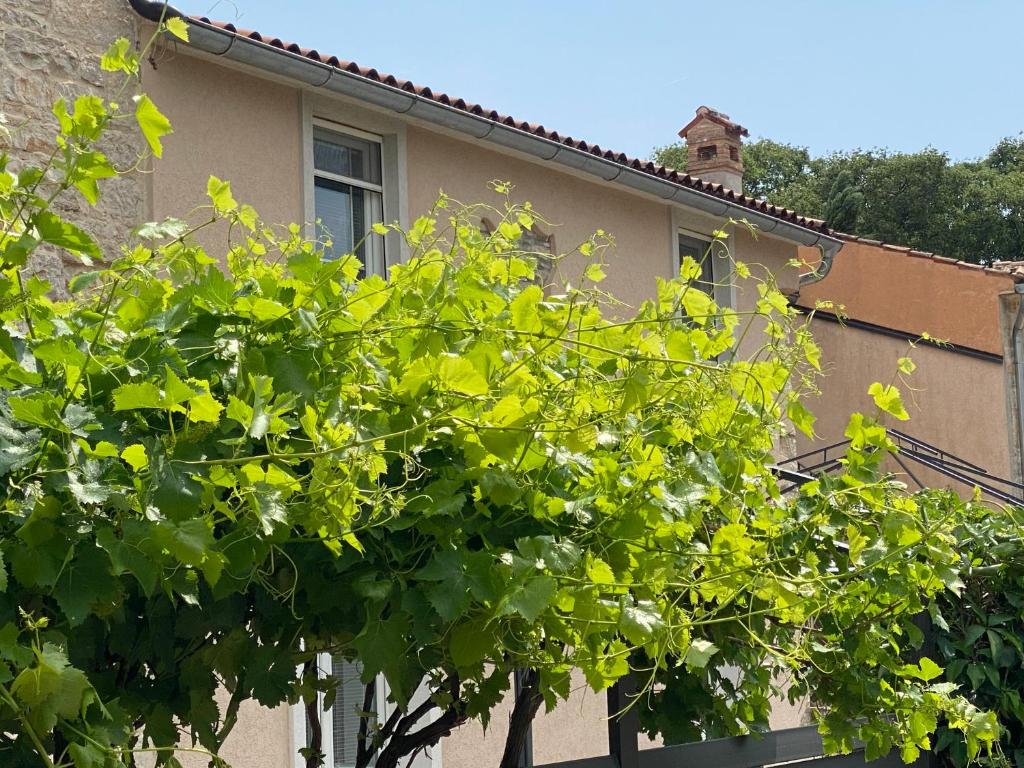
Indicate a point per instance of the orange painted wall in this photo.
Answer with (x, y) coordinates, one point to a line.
(897, 289)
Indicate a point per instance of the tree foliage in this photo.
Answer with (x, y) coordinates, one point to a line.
(971, 210)
(217, 466)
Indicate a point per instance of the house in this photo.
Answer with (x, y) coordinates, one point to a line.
(305, 136)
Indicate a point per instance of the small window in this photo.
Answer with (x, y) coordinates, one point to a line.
(345, 714)
(708, 152)
(535, 242)
(700, 251)
(734, 154)
(339, 725)
(348, 196)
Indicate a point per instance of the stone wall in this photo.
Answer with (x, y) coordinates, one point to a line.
(51, 49)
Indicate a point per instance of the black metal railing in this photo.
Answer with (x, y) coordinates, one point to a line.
(796, 747)
(911, 451)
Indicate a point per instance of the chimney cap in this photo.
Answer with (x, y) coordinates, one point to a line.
(707, 113)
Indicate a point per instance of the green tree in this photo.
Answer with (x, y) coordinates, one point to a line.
(971, 210)
(977, 634)
(773, 171)
(1007, 156)
(671, 155)
(843, 205)
(218, 466)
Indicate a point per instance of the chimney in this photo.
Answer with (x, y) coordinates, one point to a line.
(713, 144)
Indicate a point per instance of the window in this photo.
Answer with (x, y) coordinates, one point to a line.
(709, 152)
(339, 725)
(534, 242)
(700, 251)
(348, 195)
(345, 714)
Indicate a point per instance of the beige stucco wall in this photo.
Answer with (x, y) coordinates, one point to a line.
(262, 738)
(955, 401)
(250, 130)
(228, 124)
(644, 229)
(575, 729)
(575, 207)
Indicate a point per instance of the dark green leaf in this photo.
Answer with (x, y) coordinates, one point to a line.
(56, 231)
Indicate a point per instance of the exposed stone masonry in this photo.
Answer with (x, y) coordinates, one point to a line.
(51, 49)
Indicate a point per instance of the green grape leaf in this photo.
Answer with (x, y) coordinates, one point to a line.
(56, 231)
(888, 399)
(153, 124)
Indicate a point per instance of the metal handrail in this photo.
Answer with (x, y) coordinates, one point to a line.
(822, 460)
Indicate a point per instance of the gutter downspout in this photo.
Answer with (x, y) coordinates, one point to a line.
(1017, 349)
(829, 249)
(294, 66)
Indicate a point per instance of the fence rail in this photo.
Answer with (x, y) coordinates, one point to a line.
(793, 747)
(796, 747)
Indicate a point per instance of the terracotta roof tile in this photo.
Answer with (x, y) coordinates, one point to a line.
(425, 92)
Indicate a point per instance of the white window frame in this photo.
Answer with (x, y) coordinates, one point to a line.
(376, 258)
(344, 114)
(324, 667)
(706, 252)
(721, 263)
(383, 708)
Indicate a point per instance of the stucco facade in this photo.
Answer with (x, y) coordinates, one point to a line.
(253, 133)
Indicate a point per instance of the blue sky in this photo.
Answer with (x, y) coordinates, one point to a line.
(827, 74)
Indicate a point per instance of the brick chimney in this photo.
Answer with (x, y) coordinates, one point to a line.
(713, 142)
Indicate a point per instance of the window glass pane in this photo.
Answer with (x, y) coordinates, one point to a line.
(698, 250)
(348, 704)
(341, 211)
(346, 156)
(534, 243)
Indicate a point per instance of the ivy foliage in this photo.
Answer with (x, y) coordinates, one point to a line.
(216, 466)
